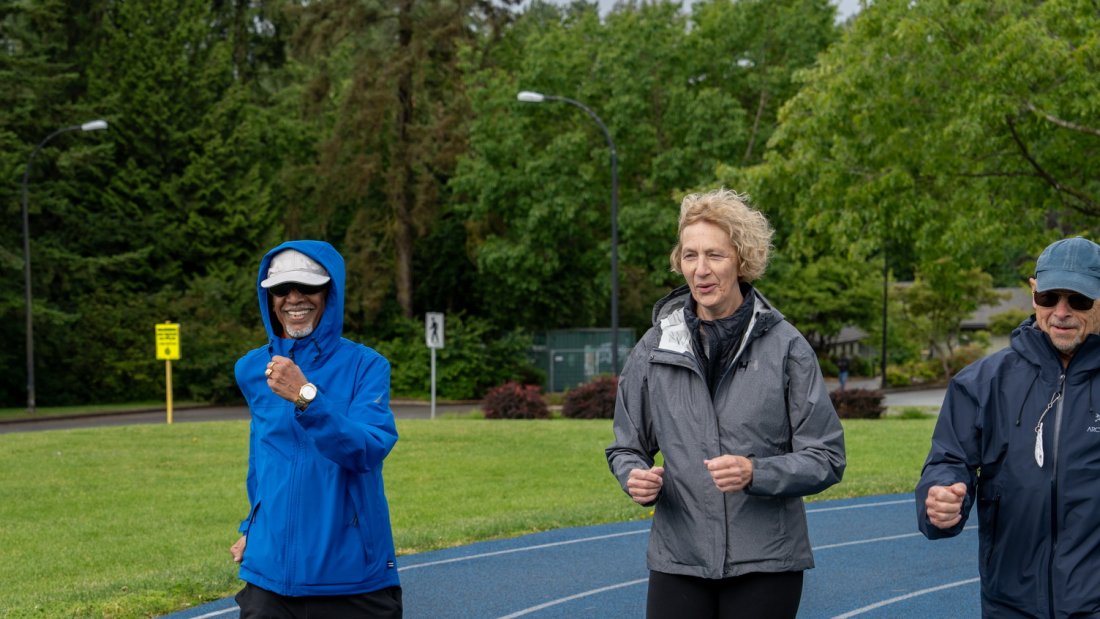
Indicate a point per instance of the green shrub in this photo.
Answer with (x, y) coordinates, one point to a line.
(862, 366)
(914, 412)
(858, 403)
(1005, 322)
(914, 373)
(897, 376)
(963, 357)
(515, 401)
(475, 357)
(592, 400)
(979, 339)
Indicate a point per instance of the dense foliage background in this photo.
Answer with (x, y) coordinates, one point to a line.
(945, 140)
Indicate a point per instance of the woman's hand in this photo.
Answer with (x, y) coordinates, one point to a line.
(730, 473)
(644, 485)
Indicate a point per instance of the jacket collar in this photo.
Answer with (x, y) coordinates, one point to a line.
(668, 316)
(1031, 343)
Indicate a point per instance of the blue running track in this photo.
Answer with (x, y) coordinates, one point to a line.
(871, 563)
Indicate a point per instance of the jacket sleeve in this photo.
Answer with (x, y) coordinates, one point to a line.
(954, 457)
(635, 445)
(360, 437)
(816, 459)
(250, 479)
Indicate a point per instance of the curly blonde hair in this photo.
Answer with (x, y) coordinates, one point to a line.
(749, 230)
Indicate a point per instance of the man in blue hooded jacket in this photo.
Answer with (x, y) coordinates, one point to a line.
(317, 539)
(1019, 434)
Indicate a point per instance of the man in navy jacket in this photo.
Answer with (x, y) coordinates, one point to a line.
(1019, 434)
(317, 540)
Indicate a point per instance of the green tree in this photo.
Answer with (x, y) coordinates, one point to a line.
(179, 189)
(534, 186)
(823, 296)
(934, 312)
(938, 129)
(41, 66)
(940, 133)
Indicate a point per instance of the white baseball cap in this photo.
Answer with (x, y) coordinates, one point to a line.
(291, 265)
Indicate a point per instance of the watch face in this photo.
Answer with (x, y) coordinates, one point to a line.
(308, 392)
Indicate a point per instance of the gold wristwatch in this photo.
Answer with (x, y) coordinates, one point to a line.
(305, 395)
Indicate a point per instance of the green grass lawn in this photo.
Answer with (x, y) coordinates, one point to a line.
(136, 521)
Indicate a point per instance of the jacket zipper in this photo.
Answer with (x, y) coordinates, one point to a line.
(292, 520)
(728, 372)
(1054, 495)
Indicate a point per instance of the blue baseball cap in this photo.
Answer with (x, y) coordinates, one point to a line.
(1069, 264)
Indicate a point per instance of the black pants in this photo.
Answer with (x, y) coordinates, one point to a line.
(750, 596)
(257, 603)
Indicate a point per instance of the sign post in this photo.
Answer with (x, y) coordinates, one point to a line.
(168, 348)
(433, 336)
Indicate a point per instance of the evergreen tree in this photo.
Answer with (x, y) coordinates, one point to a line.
(179, 197)
(387, 90)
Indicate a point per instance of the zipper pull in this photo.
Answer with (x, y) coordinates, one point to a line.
(1039, 426)
(1039, 444)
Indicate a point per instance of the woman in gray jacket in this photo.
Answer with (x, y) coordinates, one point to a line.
(732, 397)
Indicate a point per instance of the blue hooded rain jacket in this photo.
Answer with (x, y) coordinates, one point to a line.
(319, 521)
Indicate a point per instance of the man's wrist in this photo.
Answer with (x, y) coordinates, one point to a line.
(306, 395)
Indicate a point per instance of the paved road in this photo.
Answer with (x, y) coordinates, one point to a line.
(403, 409)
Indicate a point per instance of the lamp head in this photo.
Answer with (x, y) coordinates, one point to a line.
(94, 125)
(531, 97)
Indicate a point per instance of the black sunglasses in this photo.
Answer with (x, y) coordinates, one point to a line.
(282, 290)
(1077, 301)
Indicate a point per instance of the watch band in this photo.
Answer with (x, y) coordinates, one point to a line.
(301, 402)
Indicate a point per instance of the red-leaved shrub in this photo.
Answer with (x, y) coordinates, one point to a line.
(858, 403)
(515, 401)
(592, 400)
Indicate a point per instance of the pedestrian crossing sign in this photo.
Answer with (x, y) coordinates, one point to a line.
(433, 330)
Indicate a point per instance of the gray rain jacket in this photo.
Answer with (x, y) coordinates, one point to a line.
(771, 405)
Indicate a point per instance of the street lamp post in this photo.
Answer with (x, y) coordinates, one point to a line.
(885, 299)
(94, 125)
(535, 97)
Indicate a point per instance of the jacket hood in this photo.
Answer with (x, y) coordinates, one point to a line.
(330, 328)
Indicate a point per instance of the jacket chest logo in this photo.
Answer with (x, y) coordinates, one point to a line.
(1095, 428)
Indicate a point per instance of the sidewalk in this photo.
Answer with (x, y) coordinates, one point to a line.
(924, 397)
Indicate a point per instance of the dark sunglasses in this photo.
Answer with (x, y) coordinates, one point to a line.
(282, 290)
(1077, 301)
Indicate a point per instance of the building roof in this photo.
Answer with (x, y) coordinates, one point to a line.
(1018, 297)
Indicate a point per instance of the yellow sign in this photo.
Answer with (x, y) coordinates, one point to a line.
(168, 341)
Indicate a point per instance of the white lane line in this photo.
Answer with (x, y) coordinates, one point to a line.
(522, 549)
(861, 505)
(870, 540)
(601, 537)
(880, 539)
(901, 598)
(533, 609)
(218, 613)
